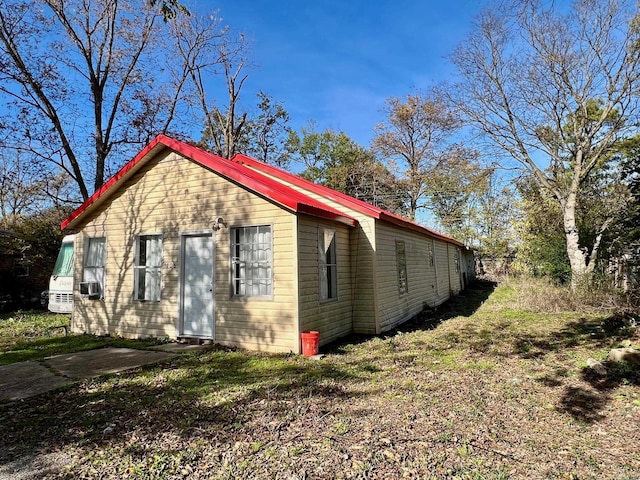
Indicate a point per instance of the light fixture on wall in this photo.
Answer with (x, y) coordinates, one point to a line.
(219, 223)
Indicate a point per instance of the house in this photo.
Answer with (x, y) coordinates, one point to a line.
(181, 243)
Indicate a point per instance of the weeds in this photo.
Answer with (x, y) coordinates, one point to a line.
(540, 295)
(494, 390)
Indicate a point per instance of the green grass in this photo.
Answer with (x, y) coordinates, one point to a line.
(31, 335)
(482, 388)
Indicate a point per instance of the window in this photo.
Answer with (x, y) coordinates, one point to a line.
(458, 260)
(64, 262)
(401, 261)
(251, 261)
(148, 268)
(94, 261)
(327, 264)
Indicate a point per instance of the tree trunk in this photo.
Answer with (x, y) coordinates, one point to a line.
(581, 268)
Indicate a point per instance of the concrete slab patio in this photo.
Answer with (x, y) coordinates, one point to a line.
(26, 379)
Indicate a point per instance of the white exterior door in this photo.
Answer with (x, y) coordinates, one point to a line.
(196, 286)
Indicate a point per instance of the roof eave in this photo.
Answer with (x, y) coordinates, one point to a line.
(255, 181)
(334, 195)
(344, 199)
(418, 228)
(326, 214)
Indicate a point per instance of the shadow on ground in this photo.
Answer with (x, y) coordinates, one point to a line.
(209, 392)
(585, 400)
(465, 304)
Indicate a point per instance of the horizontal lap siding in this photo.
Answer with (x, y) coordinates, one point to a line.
(362, 275)
(394, 307)
(454, 268)
(363, 262)
(168, 196)
(332, 318)
(441, 253)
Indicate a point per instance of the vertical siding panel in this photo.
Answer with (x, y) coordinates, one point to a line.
(442, 264)
(364, 276)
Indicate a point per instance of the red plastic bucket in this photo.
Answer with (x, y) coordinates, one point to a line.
(310, 343)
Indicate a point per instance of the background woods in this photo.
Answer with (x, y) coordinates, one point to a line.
(530, 151)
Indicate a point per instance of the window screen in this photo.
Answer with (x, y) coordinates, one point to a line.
(251, 261)
(401, 261)
(327, 264)
(148, 267)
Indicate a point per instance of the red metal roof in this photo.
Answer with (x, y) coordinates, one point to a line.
(341, 198)
(248, 178)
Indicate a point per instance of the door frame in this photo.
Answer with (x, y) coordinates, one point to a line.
(181, 272)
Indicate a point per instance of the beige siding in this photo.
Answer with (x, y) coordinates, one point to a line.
(454, 270)
(169, 196)
(363, 262)
(443, 271)
(378, 304)
(363, 271)
(396, 307)
(332, 318)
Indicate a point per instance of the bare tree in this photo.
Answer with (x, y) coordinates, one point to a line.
(25, 192)
(81, 79)
(415, 136)
(20, 186)
(555, 91)
(268, 132)
(207, 50)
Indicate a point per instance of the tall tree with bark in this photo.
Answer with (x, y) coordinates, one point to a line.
(631, 178)
(496, 214)
(415, 135)
(453, 188)
(21, 186)
(86, 83)
(542, 252)
(78, 79)
(555, 88)
(618, 185)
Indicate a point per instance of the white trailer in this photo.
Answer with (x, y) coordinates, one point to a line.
(61, 281)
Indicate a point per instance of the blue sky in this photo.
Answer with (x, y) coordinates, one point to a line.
(337, 61)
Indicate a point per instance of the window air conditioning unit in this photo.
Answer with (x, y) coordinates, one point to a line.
(90, 289)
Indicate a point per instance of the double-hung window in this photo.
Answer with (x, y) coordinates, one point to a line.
(251, 261)
(148, 268)
(327, 264)
(401, 263)
(94, 261)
